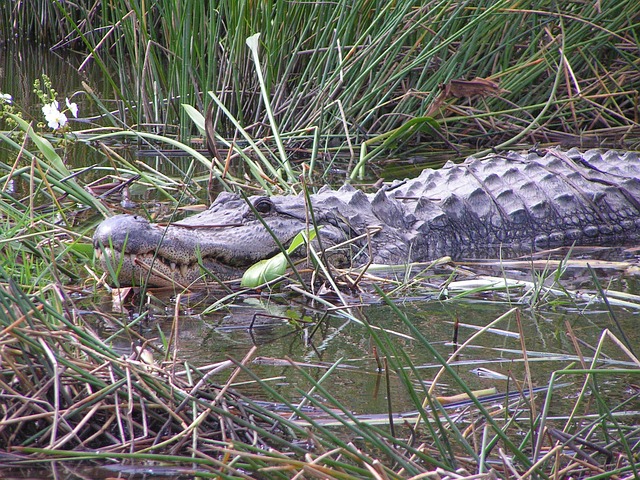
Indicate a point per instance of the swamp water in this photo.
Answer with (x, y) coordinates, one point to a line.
(284, 331)
(293, 335)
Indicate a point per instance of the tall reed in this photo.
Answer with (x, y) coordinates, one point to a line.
(355, 70)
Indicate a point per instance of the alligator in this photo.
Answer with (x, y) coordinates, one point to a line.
(498, 206)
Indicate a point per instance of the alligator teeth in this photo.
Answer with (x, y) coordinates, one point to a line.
(183, 270)
(173, 266)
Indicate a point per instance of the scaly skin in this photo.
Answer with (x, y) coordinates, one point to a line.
(501, 205)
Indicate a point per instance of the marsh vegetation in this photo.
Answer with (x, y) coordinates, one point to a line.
(544, 353)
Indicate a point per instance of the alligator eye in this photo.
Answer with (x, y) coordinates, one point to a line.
(263, 205)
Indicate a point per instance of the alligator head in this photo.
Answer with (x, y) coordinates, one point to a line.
(224, 240)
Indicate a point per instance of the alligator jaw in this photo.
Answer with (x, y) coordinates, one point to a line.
(147, 268)
(141, 252)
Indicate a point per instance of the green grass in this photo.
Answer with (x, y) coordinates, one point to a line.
(94, 403)
(356, 70)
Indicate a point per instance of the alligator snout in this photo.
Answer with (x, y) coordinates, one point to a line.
(208, 244)
(126, 233)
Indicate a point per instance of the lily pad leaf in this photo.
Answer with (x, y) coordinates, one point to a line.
(269, 269)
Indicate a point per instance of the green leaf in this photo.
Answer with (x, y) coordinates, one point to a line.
(85, 249)
(196, 117)
(269, 269)
(43, 145)
(301, 238)
(264, 271)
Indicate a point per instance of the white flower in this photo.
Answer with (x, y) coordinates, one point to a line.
(5, 97)
(55, 118)
(49, 108)
(73, 108)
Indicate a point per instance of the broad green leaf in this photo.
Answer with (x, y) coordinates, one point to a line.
(300, 239)
(264, 271)
(269, 269)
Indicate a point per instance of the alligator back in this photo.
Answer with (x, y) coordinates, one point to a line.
(516, 203)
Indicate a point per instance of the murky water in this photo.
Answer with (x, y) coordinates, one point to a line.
(285, 328)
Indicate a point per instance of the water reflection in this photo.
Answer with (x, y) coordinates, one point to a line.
(21, 63)
(285, 331)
